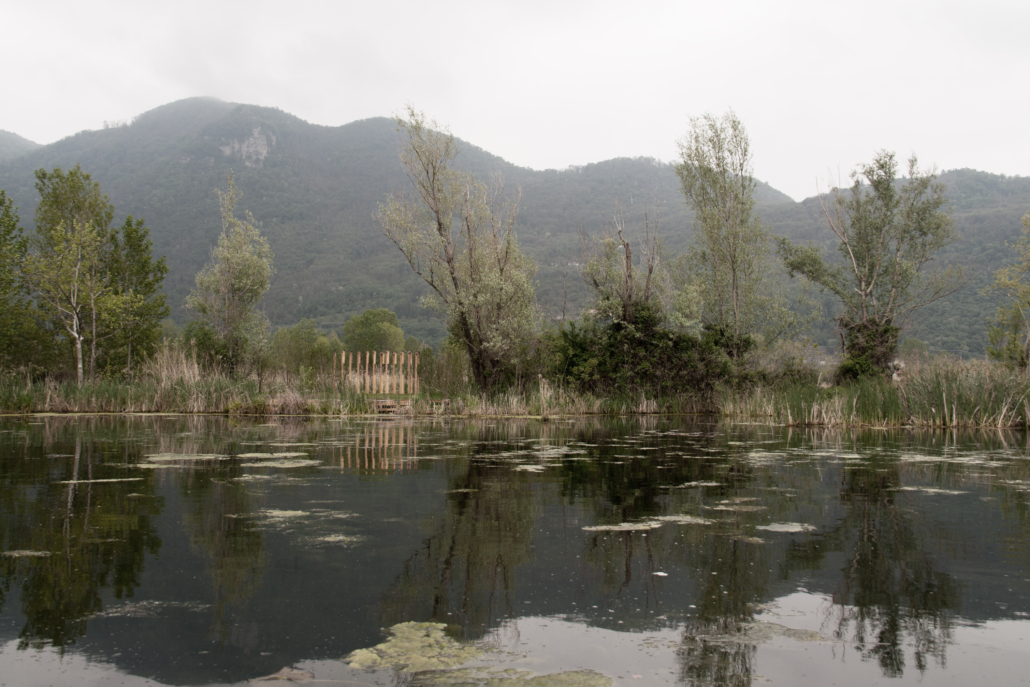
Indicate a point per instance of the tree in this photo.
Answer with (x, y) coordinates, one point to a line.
(621, 289)
(65, 271)
(100, 284)
(137, 277)
(726, 266)
(888, 232)
(1009, 335)
(21, 337)
(228, 289)
(459, 237)
(373, 330)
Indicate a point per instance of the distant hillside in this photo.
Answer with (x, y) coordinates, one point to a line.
(314, 189)
(13, 145)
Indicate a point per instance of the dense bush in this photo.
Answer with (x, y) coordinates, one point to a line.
(617, 357)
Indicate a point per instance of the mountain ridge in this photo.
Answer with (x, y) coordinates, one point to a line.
(314, 190)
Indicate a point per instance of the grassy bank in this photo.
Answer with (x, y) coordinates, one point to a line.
(940, 392)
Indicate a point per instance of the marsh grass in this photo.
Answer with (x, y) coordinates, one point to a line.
(940, 392)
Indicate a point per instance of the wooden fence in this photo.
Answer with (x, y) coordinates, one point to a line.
(380, 372)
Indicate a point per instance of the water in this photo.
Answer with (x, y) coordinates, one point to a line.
(200, 551)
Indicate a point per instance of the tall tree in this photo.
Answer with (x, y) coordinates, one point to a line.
(229, 287)
(889, 232)
(100, 284)
(137, 277)
(64, 269)
(725, 278)
(21, 337)
(460, 238)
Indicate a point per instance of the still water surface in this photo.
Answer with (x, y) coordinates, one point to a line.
(200, 551)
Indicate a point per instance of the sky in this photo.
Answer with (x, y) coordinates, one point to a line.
(819, 86)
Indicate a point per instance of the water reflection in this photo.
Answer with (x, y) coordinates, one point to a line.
(636, 525)
(80, 535)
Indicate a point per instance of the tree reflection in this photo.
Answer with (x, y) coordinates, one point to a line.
(464, 573)
(95, 534)
(219, 520)
(889, 587)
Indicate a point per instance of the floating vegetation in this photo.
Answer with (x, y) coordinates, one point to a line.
(626, 526)
(736, 508)
(279, 514)
(684, 519)
(757, 632)
(282, 464)
(100, 481)
(750, 540)
(177, 457)
(343, 539)
(510, 677)
(787, 527)
(932, 490)
(530, 468)
(271, 456)
(415, 647)
(148, 609)
(687, 485)
(26, 554)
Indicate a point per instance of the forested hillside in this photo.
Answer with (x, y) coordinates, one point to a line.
(314, 190)
(13, 145)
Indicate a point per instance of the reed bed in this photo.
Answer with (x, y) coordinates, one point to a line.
(940, 392)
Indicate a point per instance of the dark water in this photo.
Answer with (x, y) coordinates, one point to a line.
(736, 554)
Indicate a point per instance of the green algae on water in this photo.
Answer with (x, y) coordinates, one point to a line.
(473, 677)
(415, 647)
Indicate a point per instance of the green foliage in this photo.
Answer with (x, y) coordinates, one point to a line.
(887, 233)
(23, 341)
(620, 358)
(725, 268)
(460, 239)
(1007, 337)
(373, 330)
(315, 192)
(303, 347)
(230, 286)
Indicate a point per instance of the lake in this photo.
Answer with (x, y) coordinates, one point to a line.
(179, 550)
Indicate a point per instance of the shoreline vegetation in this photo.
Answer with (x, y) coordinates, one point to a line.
(930, 392)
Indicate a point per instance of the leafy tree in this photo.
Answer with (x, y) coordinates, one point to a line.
(303, 346)
(724, 277)
(460, 239)
(228, 289)
(22, 340)
(137, 277)
(373, 330)
(1009, 339)
(100, 284)
(888, 232)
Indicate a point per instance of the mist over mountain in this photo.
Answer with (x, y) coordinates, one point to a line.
(314, 190)
(13, 145)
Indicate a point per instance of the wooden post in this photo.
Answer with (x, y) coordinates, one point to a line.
(417, 383)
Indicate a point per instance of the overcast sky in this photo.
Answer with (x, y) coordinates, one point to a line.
(820, 86)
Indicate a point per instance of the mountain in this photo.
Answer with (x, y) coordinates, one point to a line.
(13, 145)
(314, 189)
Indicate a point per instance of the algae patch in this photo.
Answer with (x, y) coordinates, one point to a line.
(415, 647)
(791, 527)
(473, 677)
